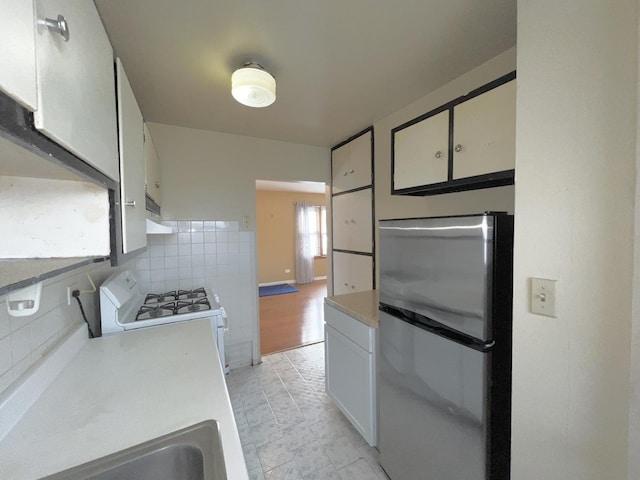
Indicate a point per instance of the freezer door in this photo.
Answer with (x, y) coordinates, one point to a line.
(440, 268)
(432, 401)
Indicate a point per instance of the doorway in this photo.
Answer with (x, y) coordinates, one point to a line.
(288, 320)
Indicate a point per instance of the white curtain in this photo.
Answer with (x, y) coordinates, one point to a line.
(304, 252)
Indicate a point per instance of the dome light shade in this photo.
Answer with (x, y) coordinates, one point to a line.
(253, 86)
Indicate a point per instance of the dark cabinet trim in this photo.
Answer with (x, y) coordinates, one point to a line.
(497, 179)
(373, 202)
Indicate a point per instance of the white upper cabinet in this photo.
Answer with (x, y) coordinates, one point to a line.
(465, 144)
(421, 152)
(75, 81)
(351, 164)
(152, 163)
(352, 221)
(484, 132)
(18, 52)
(132, 170)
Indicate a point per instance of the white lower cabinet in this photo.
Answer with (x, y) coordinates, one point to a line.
(350, 370)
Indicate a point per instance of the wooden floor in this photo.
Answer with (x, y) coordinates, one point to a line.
(293, 319)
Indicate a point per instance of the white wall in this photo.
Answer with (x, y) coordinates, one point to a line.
(575, 175)
(212, 175)
(634, 397)
(476, 201)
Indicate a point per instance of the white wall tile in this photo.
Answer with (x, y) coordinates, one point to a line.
(197, 226)
(184, 226)
(197, 237)
(20, 344)
(171, 262)
(5, 355)
(184, 250)
(184, 238)
(171, 250)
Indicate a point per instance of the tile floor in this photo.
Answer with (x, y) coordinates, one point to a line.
(290, 429)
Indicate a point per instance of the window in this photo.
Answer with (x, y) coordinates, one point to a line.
(318, 230)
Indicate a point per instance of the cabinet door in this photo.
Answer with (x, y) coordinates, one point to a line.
(341, 226)
(340, 169)
(76, 85)
(359, 173)
(18, 52)
(341, 269)
(349, 381)
(485, 133)
(152, 168)
(360, 218)
(130, 135)
(360, 273)
(421, 152)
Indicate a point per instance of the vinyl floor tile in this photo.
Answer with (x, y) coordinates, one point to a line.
(290, 429)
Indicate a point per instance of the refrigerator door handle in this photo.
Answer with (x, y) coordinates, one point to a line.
(436, 328)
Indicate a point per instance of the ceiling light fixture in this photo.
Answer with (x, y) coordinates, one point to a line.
(253, 86)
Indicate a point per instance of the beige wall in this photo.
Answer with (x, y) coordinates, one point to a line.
(575, 175)
(275, 214)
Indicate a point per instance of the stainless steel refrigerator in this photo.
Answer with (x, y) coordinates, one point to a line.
(444, 364)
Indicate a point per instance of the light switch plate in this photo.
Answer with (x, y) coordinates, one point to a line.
(543, 296)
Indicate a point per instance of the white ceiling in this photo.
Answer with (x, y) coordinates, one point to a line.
(340, 65)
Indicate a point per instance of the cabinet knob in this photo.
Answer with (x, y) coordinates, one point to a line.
(346, 284)
(353, 220)
(130, 203)
(458, 148)
(157, 184)
(351, 171)
(345, 173)
(353, 287)
(438, 154)
(346, 221)
(58, 25)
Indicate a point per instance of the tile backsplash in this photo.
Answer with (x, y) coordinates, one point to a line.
(208, 253)
(24, 340)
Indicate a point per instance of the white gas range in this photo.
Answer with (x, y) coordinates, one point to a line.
(123, 307)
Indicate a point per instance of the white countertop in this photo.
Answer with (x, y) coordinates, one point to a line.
(120, 390)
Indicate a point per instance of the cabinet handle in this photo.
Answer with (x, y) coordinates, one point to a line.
(353, 286)
(353, 220)
(346, 284)
(59, 25)
(130, 203)
(157, 184)
(346, 221)
(438, 154)
(458, 148)
(345, 173)
(351, 171)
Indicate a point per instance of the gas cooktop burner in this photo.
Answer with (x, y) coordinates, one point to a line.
(155, 298)
(192, 306)
(154, 310)
(147, 312)
(195, 293)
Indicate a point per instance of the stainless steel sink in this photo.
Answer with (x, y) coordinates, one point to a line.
(192, 453)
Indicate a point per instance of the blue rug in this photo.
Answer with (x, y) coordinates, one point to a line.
(276, 290)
